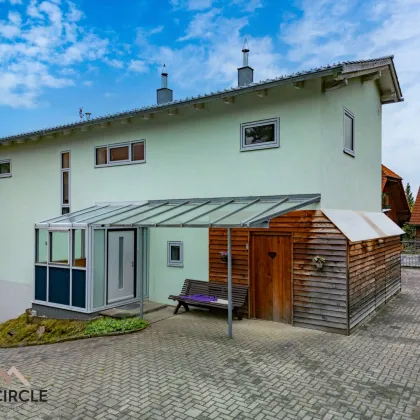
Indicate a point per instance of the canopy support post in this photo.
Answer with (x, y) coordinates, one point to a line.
(140, 263)
(229, 283)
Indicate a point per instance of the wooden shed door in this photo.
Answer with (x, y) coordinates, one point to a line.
(271, 294)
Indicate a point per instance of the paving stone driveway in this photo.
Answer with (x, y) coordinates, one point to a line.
(185, 368)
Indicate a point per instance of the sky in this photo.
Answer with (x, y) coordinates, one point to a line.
(106, 56)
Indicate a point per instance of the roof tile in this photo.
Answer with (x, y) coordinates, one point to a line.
(415, 214)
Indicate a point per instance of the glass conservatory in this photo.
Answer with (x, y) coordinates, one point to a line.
(97, 258)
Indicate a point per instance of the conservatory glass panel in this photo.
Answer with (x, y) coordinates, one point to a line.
(99, 268)
(124, 217)
(79, 248)
(246, 213)
(216, 214)
(281, 207)
(176, 220)
(176, 209)
(79, 218)
(41, 246)
(155, 209)
(59, 247)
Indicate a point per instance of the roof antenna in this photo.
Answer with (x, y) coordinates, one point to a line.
(245, 51)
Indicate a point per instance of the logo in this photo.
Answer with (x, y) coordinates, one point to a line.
(23, 395)
(13, 371)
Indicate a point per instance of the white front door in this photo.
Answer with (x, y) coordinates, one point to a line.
(121, 265)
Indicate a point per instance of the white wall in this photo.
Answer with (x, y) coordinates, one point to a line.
(164, 280)
(196, 154)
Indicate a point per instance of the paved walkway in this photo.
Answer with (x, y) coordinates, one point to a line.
(184, 367)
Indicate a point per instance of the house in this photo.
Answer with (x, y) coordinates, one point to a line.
(394, 200)
(107, 211)
(415, 217)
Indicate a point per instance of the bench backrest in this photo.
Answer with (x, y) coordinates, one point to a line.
(220, 290)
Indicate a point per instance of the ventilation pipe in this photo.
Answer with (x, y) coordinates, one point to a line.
(245, 73)
(164, 95)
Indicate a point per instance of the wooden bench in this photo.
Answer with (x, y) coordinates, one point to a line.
(219, 290)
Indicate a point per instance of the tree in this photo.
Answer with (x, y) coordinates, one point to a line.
(409, 195)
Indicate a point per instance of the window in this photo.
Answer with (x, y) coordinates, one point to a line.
(41, 246)
(65, 182)
(101, 156)
(260, 135)
(386, 201)
(59, 247)
(348, 132)
(5, 168)
(137, 152)
(79, 248)
(120, 154)
(175, 254)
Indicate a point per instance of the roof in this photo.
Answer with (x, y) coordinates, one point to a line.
(196, 212)
(387, 172)
(391, 92)
(362, 226)
(415, 214)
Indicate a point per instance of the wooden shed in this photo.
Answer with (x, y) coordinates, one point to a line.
(361, 273)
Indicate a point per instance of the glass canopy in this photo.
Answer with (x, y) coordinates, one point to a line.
(211, 212)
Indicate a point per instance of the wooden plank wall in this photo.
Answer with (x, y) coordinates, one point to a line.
(319, 297)
(374, 276)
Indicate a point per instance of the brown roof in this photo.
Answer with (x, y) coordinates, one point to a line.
(387, 173)
(415, 214)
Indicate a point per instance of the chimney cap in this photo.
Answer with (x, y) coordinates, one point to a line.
(164, 71)
(245, 48)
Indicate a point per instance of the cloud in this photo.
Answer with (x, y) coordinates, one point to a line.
(40, 44)
(138, 66)
(209, 52)
(192, 4)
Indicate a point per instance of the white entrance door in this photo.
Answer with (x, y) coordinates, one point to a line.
(121, 265)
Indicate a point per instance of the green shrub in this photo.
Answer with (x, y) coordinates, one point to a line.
(106, 325)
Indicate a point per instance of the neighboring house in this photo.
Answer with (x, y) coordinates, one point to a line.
(415, 217)
(394, 200)
(292, 164)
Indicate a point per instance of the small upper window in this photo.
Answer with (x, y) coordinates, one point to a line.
(348, 132)
(65, 160)
(5, 168)
(121, 154)
(137, 151)
(260, 134)
(175, 254)
(101, 156)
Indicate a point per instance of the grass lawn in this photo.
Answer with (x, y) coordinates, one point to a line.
(17, 332)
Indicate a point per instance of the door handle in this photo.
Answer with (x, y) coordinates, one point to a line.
(132, 264)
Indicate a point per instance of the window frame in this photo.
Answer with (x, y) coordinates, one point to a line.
(9, 161)
(51, 244)
(130, 160)
(175, 263)
(268, 145)
(62, 170)
(348, 113)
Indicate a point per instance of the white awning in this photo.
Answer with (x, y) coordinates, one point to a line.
(201, 212)
(362, 226)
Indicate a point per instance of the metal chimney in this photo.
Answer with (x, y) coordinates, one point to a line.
(245, 73)
(164, 95)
